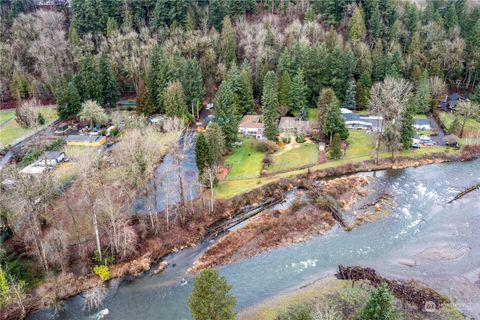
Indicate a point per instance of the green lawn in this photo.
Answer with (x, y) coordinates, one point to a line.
(359, 144)
(245, 161)
(13, 133)
(6, 115)
(471, 125)
(301, 155)
(312, 114)
(420, 116)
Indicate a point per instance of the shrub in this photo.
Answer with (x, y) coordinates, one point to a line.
(102, 271)
(266, 146)
(297, 204)
(286, 140)
(300, 138)
(40, 119)
(295, 312)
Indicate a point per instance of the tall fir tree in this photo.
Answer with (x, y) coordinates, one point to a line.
(203, 157)
(224, 113)
(284, 90)
(350, 101)
(356, 25)
(89, 79)
(211, 298)
(158, 75)
(270, 105)
(423, 97)
(108, 84)
(297, 98)
(407, 130)
(476, 94)
(216, 13)
(167, 12)
(246, 95)
(333, 122)
(174, 100)
(228, 42)
(69, 102)
(325, 98)
(144, 104)
(216, 143)
(192, 82)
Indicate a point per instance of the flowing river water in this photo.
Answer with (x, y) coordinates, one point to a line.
(440, 242)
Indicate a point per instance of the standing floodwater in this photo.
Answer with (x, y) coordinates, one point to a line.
(442, 239)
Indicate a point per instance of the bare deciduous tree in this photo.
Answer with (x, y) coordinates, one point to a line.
(388, 100)
(94, 297)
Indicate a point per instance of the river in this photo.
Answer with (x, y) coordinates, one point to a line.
(421, 221)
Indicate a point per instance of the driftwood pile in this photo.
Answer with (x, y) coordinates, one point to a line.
(410, 291)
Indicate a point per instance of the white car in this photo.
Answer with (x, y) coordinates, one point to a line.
(209, 106)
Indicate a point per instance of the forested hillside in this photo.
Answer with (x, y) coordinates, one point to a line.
(104, 48)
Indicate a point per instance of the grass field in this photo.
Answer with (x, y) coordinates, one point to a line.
(245, 161)
(300, 155)
(12, 133)
(6, 115)
(471, 126)
(359, 144)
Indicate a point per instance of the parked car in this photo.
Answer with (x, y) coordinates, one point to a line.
(209, 106)
(416, 146)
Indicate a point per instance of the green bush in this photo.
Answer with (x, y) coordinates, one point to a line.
(102, 271)
(266, 146)
(40, 119)
(286, 140)
(300, 138)
(295, 312)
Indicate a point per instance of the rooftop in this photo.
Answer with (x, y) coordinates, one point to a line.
(422, 122)
(251, 121)
(83, 138)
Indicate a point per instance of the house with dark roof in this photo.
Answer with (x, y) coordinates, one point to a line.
(450, 102)
(422, 125)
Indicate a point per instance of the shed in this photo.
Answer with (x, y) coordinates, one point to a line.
(85, 140)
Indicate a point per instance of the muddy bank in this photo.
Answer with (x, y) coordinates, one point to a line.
(310, 214)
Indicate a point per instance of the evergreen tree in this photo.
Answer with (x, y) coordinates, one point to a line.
(192, 82)
(325, 98)
(356, 25)
(144, 104)
(167, 12)
(158, 76)
(349, 101)
(380, 306)
(108, 84)
(89, 79)
(174, 100)
(297, 99)
(216, 143)
(88, 17)
(476, 94)
(68, 101)
(455, 126)
(228, 42)
(246, 94)
(423, 97)
(211, 298)
(203, 157)
(284, 89)
(270, 105)
(224, 113)
(407, 131)
(451, 18)
(363, 89)
(216, 13)
(333, 122)
(335, 148)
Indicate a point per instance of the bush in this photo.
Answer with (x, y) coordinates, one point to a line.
(266, 146)
(295, 312)
(286, 140)
(40, 119)
(300, 138)
(102, 271)
(30, 157)
(267, 160)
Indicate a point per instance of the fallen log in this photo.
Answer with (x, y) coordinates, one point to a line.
(410, 291)
(464, 192)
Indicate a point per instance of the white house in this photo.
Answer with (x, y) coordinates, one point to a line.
(252, 126)
(422, 125)
(48, 161)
